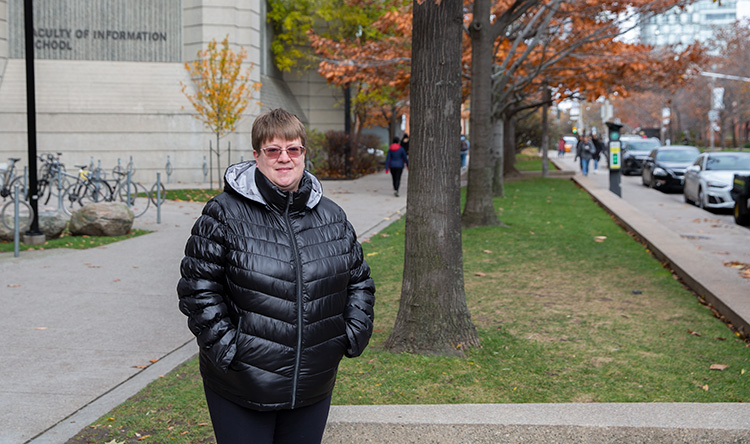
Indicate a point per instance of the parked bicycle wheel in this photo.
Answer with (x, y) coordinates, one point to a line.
(138, 201)
(25, 215)
(80, 194)
(162, 194)
(99, 191)
(73, 198)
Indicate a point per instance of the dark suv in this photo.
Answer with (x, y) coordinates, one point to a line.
(635, 150)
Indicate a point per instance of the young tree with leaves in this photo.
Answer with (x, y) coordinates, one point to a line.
(222, 90)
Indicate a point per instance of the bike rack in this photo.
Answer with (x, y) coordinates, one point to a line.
(16, 223)
(158, 197)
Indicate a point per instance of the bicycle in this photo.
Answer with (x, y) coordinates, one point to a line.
(85, 189)
(9, 179)
(25, 214)
(52, 177)
(128, 191)
(8, 211)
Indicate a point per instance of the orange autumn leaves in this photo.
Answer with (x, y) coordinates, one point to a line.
(582, 52)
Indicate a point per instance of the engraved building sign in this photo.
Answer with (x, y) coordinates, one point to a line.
(112, 30)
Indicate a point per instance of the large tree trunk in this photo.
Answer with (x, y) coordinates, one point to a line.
(545, 129)
(433, 317)
(498, 179)
(479, 209)
(509, 147)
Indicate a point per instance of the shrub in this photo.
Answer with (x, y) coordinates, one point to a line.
(328, 155)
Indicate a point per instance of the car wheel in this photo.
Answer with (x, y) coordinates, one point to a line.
(741, 212)
(701, 198)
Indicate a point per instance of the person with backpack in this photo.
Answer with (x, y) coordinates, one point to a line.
(395, 161)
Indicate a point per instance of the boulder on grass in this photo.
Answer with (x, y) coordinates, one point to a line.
(102, 219)
(51, 224)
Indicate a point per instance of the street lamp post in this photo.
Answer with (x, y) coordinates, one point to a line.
(34, 235)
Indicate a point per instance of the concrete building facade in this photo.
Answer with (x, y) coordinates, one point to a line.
(696, 22)
(108, 83)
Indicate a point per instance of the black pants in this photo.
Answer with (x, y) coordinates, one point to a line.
(396, 176)
(234, 424)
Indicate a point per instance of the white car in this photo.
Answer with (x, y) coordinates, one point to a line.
(708, 181)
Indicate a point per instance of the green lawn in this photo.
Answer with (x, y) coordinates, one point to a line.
(569, 308)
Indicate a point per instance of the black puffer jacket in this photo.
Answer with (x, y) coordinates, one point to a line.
(276, 291)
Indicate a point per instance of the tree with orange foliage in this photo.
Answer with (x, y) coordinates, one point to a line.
(222, 90)
(528, 41)
(374, 64)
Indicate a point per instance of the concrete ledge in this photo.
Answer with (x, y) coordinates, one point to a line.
(704, 276)
(540, 423)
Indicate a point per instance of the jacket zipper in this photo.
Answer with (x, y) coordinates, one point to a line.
(298, 287)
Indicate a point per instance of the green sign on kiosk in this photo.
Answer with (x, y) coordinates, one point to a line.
(615, 155)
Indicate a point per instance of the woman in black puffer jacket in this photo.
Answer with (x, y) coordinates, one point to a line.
(276, 291)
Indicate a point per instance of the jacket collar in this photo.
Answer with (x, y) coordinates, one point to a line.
(246, 180)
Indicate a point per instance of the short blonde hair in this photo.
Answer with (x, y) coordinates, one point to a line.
(277, 123)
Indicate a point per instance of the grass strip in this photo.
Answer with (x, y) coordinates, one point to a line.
(569, 308)
(69, 241)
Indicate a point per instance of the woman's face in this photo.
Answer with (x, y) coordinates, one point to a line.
(284, 172)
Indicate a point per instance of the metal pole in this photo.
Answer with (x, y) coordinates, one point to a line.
(127, 185)
(59, 190)
(158, 197)
(16, 223)
(28, 10)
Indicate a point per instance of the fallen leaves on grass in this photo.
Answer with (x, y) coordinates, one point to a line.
(600, 238)
(719, 367)
(694, 333)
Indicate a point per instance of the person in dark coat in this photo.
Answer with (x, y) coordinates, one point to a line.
(405, 143)
(599, 149)
(395, 161)
(276, 291)
(585, 151)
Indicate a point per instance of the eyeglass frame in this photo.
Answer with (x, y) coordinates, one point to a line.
(302, 149)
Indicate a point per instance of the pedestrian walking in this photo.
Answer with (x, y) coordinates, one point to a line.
(395, 162)
(598, 149)
(561, 147)
(276, 291)
(464, 150)
(405, 143)
(585, 152)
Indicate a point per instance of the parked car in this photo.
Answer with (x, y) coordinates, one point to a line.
(709, 180)
(741, 196)
(664, 168)
(635, 150)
